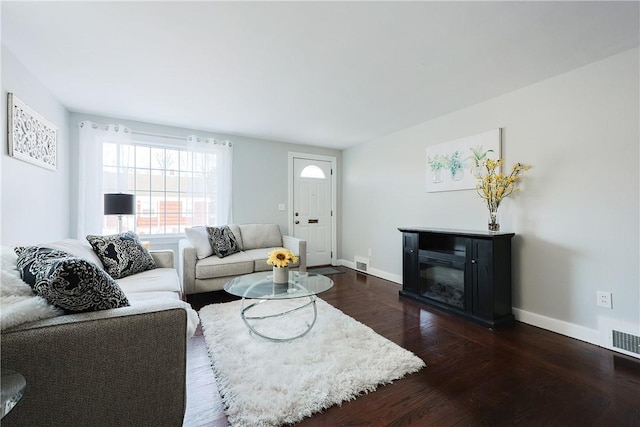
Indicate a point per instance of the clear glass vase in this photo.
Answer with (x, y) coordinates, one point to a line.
(493, 223)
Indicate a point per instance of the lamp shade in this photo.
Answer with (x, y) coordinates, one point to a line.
(119, 204)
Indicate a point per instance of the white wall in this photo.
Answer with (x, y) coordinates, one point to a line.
(576, 220)
(35, 201)
(260, 171)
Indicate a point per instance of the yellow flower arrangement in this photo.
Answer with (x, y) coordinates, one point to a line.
(281, 257)
(493, 186)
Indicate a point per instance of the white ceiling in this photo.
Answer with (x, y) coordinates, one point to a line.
(331, 74)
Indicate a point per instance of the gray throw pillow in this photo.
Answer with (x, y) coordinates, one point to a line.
(122, 254)
(223, 241)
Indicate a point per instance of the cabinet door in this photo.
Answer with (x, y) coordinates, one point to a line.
(410, 262)
(482, 278)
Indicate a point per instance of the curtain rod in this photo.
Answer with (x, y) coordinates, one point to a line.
(159, 135)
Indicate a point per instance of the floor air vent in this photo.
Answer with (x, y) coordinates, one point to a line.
(626, 342)
(362, 264)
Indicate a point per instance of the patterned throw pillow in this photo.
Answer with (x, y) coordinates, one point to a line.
(31, 260)
(71, 283)
(122, 254)
(223, 241)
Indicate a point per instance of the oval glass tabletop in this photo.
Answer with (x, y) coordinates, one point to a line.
(260, 285)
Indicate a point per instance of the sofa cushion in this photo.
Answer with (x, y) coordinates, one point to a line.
(199, 238)
(156, 280)
(137, 298)
(71, 283)
(163, 300)
(79, 248)
(256, 236)
(233, 265)
(122, 254)
(260, 256)
(222, 241)
(235, 229)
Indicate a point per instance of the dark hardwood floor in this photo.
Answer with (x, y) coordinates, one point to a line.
(475, 376)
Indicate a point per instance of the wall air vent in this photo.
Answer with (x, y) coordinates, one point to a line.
(362, 264)
(626, 341)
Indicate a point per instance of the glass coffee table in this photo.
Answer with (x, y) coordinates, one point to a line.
(258, 290)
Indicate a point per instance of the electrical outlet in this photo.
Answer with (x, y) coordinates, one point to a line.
(369, 252)
(604, 299)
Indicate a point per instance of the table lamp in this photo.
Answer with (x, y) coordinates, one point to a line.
(119, 204)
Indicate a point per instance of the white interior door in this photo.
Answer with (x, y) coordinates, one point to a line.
(312, 214)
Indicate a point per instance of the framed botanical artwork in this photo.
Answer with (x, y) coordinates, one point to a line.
(454, 165)
(31, 137)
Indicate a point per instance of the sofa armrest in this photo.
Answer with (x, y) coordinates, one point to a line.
(163, 258)
(125, 366)
(187, 266)
(299, 249)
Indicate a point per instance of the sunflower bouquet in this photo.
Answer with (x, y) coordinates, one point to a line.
(281, 257)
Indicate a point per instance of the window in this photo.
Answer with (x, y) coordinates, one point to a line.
(312, 171)
(175, 187)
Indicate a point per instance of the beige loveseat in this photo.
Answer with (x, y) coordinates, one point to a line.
(205, 273)
(123, 366)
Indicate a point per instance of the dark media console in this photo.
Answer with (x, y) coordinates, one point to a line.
(466, 273)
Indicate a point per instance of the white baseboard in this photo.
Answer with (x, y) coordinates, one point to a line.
(600, 337)
(350, 264)
(374, 272)
(571, 330)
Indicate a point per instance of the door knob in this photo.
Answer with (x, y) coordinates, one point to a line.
(297, 214)
(297, 222)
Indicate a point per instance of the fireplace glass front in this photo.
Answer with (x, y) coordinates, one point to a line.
(442, 280)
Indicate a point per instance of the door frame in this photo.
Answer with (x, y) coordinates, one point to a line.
(334, 197)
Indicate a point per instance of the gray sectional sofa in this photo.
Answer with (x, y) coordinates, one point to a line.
(203, 271)
(122, 366)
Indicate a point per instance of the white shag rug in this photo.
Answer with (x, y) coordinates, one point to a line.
(266, 383)
(18, 303)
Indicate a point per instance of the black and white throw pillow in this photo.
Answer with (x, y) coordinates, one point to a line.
(68, 282)
(223, 241)
(77, 285)
(31, 261)
(122, 254)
